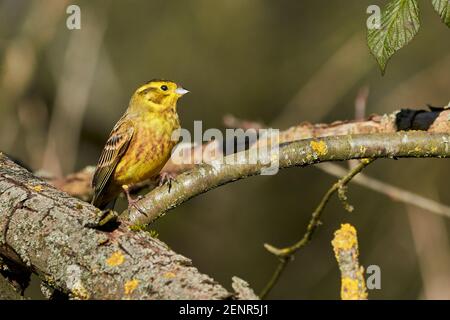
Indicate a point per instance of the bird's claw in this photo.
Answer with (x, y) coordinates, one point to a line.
(167, 177)
(136, 206)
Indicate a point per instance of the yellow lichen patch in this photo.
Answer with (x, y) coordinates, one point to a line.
(349, 289)
(49, 280)
(319, 147)
(38, 188)
(116, 259)
(344, 238)
(80, 292)
(169, 275)
(130, 286)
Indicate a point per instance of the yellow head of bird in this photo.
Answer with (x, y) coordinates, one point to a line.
(158, 95)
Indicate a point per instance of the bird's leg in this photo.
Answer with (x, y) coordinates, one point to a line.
(166, 177)
(127, 190)
(132, 201)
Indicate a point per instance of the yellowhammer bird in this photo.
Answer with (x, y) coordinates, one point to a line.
(140, 143)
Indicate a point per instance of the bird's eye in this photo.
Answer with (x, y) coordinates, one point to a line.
(164, 87)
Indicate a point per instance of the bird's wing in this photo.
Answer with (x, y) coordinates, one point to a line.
(115, 147)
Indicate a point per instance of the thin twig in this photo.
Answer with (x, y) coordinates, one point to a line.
(285, 254)
(274, 278)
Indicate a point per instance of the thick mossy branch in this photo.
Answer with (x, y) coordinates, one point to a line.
(205, 177)
(52, 234)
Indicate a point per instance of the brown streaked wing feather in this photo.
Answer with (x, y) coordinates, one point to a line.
(113, 151)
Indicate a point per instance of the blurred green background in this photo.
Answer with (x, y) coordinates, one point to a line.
(279, 62)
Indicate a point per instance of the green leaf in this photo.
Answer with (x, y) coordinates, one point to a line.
(399, 24)
(443, 8)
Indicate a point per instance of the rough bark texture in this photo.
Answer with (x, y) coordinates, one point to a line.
(53, 234)
(243, 290)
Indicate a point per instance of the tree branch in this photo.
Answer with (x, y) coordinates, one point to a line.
(297, 153)
(55, 236)
(79, 184)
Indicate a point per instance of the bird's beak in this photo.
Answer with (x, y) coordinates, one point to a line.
(181, 91)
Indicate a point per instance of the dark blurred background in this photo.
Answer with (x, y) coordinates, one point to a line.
(279, 62)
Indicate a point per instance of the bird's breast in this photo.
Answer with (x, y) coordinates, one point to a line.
(149, 150)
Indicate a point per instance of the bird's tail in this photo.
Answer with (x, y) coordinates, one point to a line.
(103, 203)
